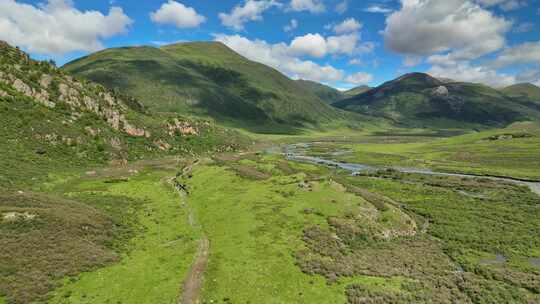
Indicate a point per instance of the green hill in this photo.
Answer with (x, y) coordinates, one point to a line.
(420, 100)
(324, 92)
(356, 91)
(51, 119)
(329, 94)
(204, 78)
(523, 90)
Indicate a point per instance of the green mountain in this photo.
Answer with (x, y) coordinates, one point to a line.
(329, 94)
(356, 91)
(49, 118)
(324, 92)
(420, 100)
(528, 90)
(204, 78)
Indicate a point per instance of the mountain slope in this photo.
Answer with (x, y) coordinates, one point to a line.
(49, 118)
(324, 92)
(204, 78)
(420, 100)
(356, 91)
(523, 90)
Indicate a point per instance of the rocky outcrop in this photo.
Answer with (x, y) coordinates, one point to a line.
(183, 128)
(440, 91)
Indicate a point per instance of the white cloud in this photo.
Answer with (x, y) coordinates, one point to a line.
(177, 14)
(280, 57)
(356, 61)
(313, 6)
(310, 44)
(528, 52)
(251, 11)
(423, 27)
(56, 28)
(316, 45)
(342, 7)
(347, 26)
(291, 26)
(464, 71)
(359, 78)
(412, 61)
(343, 44)
(377, 9)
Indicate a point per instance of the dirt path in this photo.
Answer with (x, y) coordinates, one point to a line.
(192, 285)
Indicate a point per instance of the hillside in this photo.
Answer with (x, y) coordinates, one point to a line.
(324, 92)
(356, 91)
(204, 78)
(329, 94)
(528, 90)
(50, 118)
(420, 100)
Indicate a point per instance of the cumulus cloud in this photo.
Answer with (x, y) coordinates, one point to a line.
(251, 11)
(464, 71)
(528, 52)
(359, 78)
(280, 57)
(313, 6)
(423, 27)
(316, 45)
(310, 44)
(347, 26)
(177, 14)
(57, 27)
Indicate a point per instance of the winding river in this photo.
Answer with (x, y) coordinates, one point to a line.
(297, 152)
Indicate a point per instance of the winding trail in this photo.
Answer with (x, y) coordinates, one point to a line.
(191, 287)
(193, 283)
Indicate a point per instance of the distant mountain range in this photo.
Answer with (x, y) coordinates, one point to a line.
(527, 90)
(418, 99)
(209, 79)
(205, 78)
(329, 94)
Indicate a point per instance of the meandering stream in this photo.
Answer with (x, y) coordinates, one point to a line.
(297, 152)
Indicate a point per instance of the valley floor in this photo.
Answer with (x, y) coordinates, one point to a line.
(254, 227)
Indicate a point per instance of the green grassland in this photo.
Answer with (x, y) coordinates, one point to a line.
(513, 151)
(284, 232)
(157, 259)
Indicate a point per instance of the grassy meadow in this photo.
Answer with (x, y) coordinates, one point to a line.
(512, 152)
(285, 232)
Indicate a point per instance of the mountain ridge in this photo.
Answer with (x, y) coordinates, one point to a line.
(418, 99)
(205, 78)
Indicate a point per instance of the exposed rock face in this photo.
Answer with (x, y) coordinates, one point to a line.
(78, 97)
(182, 127)
(134, 131)
(440, 91)
(162, 145)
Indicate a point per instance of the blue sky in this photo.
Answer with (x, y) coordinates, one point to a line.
(343, 43)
